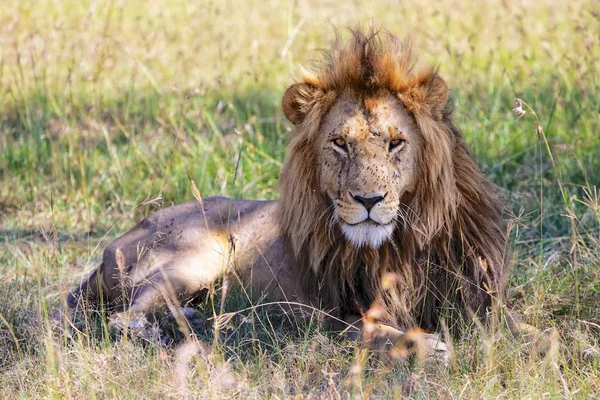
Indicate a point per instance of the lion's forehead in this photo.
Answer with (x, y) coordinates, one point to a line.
(379, 117)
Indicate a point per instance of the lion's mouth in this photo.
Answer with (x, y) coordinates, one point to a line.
(368, 221)
(367, 233)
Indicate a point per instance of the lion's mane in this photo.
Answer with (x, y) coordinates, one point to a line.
(447, 258)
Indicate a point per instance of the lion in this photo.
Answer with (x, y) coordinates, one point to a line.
(377, 182)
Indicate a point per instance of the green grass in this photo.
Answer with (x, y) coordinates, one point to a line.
(107, 105)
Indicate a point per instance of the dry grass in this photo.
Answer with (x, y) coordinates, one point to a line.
(107, 105)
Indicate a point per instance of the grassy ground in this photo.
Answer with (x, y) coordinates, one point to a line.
(109, 109)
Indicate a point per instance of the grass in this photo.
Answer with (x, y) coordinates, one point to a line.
(107, 106)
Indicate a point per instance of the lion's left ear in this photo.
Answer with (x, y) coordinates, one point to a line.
(437, 95)
(297, 101)
(429, 93)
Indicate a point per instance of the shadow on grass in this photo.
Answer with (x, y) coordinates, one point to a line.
(39, 237)
(144, 108)
(145, 143)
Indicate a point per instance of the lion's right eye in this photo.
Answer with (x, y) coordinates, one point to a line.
(340, 142)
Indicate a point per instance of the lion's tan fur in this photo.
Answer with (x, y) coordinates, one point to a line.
(448, 258)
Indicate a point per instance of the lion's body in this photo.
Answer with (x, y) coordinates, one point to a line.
(179, 251)
(377, 182)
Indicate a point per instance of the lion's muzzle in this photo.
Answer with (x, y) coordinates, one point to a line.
(365, 218)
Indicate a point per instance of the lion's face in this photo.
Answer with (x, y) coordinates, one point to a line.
(367, 162)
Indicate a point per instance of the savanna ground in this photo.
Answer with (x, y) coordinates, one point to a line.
(108, 110)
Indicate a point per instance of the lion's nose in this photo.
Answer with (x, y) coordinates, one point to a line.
(368, 201)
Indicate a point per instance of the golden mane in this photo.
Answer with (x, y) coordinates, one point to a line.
(447, 257)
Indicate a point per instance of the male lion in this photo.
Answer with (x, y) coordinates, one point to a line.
(377, 182)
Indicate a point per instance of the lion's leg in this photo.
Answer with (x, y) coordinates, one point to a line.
(171, 283)
(152, 292)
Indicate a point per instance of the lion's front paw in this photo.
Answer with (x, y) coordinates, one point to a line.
(425, 347)
(435, 349)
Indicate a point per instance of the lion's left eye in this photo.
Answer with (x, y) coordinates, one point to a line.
(396, 143)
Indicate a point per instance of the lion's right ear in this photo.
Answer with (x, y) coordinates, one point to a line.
(297, 101)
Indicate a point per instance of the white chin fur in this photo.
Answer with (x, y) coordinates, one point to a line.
(367, 234)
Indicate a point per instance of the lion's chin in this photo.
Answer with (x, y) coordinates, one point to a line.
(367, 233)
